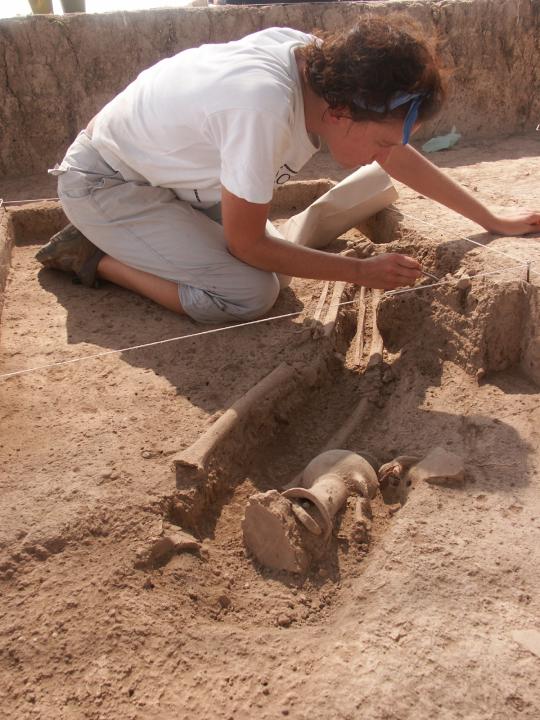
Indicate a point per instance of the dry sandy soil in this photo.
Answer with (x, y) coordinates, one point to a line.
(418, 624)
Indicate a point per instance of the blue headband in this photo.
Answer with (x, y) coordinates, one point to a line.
(400, 99)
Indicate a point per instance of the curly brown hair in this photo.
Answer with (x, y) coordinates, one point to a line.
(369, 65)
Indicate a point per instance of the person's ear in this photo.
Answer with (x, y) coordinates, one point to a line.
(335, 115)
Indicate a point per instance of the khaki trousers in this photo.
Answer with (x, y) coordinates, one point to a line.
(151, 229)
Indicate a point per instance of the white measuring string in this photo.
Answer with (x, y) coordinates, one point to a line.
(93, 356)
(104, 353)
(394, 210)
(520, 261)
(453, 281)
(7, 203)
(464, 237)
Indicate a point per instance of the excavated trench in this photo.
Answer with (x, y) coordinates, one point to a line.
(432, 615)
(107, 459)
(307, 402)
(473, 339)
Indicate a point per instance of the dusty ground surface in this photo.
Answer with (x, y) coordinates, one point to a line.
(419, 625)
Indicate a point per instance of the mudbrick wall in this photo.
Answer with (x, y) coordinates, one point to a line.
(57, 71)
(6, 242)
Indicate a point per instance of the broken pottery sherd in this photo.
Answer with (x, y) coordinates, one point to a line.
(394, 481)
(162, 548)
(271, 533)
(183, 541)
(529, 639)
(439, 466)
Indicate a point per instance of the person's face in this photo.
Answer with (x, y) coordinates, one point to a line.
(353, 144)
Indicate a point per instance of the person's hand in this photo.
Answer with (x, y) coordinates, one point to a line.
(516, 222)
(389, 271)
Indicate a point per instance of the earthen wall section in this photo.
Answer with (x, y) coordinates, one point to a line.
(57, 71)
(6, 243)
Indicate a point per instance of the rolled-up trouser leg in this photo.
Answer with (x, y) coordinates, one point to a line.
(150, 229)
(354, 199)
(357, 197)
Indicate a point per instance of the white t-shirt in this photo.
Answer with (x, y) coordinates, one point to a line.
(227, 114)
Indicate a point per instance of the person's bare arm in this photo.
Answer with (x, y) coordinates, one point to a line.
(244, 227)
(408, 166)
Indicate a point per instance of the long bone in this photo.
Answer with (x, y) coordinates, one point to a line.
(340, 437)
(359, 340)
(377, 344)
(320, 304)
(267, 392)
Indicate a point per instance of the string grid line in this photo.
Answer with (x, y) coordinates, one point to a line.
(388, 293)
(5, 203)
(161, 342)
(521, 263)
(453, 281)
(468, 239)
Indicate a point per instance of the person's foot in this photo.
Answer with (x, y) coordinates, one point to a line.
(71, 251)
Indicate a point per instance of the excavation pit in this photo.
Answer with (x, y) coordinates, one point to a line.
(126, 588)
(100, 437)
